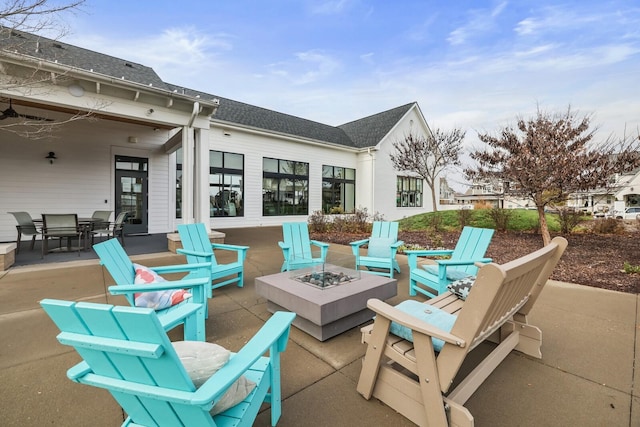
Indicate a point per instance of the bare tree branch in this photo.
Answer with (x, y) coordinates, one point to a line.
(428, 156)
(547, 157)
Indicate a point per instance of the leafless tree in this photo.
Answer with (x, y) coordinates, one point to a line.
(35, 17)
(428, 156)
(549, 156)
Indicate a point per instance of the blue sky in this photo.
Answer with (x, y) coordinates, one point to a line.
(474, 65)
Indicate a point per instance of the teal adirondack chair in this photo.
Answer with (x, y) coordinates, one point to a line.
(191, 312)
(197, 247)
(127, 352)
(297, 247)
(382, 248)
(432, 280)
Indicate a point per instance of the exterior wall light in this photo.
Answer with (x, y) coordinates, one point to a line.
(51, 157)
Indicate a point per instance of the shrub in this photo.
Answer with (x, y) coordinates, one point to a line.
(318, 222)
(500, 218)
(464, 217)
(606, 226)
(568, 219)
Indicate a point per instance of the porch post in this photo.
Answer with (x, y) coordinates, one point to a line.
(201, 193)
(187, 174)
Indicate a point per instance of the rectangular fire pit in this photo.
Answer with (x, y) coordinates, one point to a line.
(324, 312)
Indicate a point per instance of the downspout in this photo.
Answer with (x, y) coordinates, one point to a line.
(373, 181)
(194, 113)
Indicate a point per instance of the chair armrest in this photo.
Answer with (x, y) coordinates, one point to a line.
(181, 267)
(271, 337)
(397, 244)
(391, 313)
(283, 245)
(183, 251)
(240, 250)
(359, 243)
(159, 286)
(319, 244)
(429, 252)
(227, 247)
(462, 261)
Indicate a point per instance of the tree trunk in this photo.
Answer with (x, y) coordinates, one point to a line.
(544, 227)
(433, 199)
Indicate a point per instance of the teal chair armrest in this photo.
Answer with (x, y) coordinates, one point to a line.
(181, 267)
(183, 251)
(319, 244)
(397, 244)
(160, 286)
(359, 243)
(228, 247)
(283, 245)
(271, 337)
(324, 248)
(241, 250)
(429, 252)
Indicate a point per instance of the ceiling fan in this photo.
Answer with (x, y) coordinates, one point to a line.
(10, 113)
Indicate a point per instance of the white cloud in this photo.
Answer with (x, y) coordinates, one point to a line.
(481, 21)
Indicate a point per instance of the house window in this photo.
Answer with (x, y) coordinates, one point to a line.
(285, 187)
(226, 180)
(408, 192)
(338, 189)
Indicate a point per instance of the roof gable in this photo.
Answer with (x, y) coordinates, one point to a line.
(368, 131)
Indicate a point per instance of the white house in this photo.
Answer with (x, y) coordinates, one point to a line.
(169, 154)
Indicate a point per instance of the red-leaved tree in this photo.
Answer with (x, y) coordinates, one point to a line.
(549, 156)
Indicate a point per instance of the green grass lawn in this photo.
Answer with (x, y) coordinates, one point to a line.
(520, 220)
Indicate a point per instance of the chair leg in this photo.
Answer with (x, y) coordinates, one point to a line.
(33, 242)
(18, 242)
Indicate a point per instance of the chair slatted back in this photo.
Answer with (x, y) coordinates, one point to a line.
(499, 292)
(127, 345)
(114, 258)
(64, 225)
(472, 244)
(296, 235)
(385, 229)
(194, 237)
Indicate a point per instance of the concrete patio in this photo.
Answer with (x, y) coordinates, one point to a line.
(586, 377)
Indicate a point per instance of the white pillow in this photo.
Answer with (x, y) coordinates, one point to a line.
(203, 359)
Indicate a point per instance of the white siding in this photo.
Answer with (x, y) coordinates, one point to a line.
(385, 174)
(82, 177)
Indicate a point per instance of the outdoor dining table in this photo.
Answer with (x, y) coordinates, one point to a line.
(85, 224)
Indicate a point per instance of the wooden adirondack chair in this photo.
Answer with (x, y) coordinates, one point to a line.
(382, 248)
(496, 308)
(197, 247)
(296, 247)
(191, 312)
(432, 280)
(127, 352)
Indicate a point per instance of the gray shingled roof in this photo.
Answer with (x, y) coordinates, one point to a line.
(84, 59)
(362, 133)
(370, 130)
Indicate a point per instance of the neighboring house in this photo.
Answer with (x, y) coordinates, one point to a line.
(623, 192)
(169, 154)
